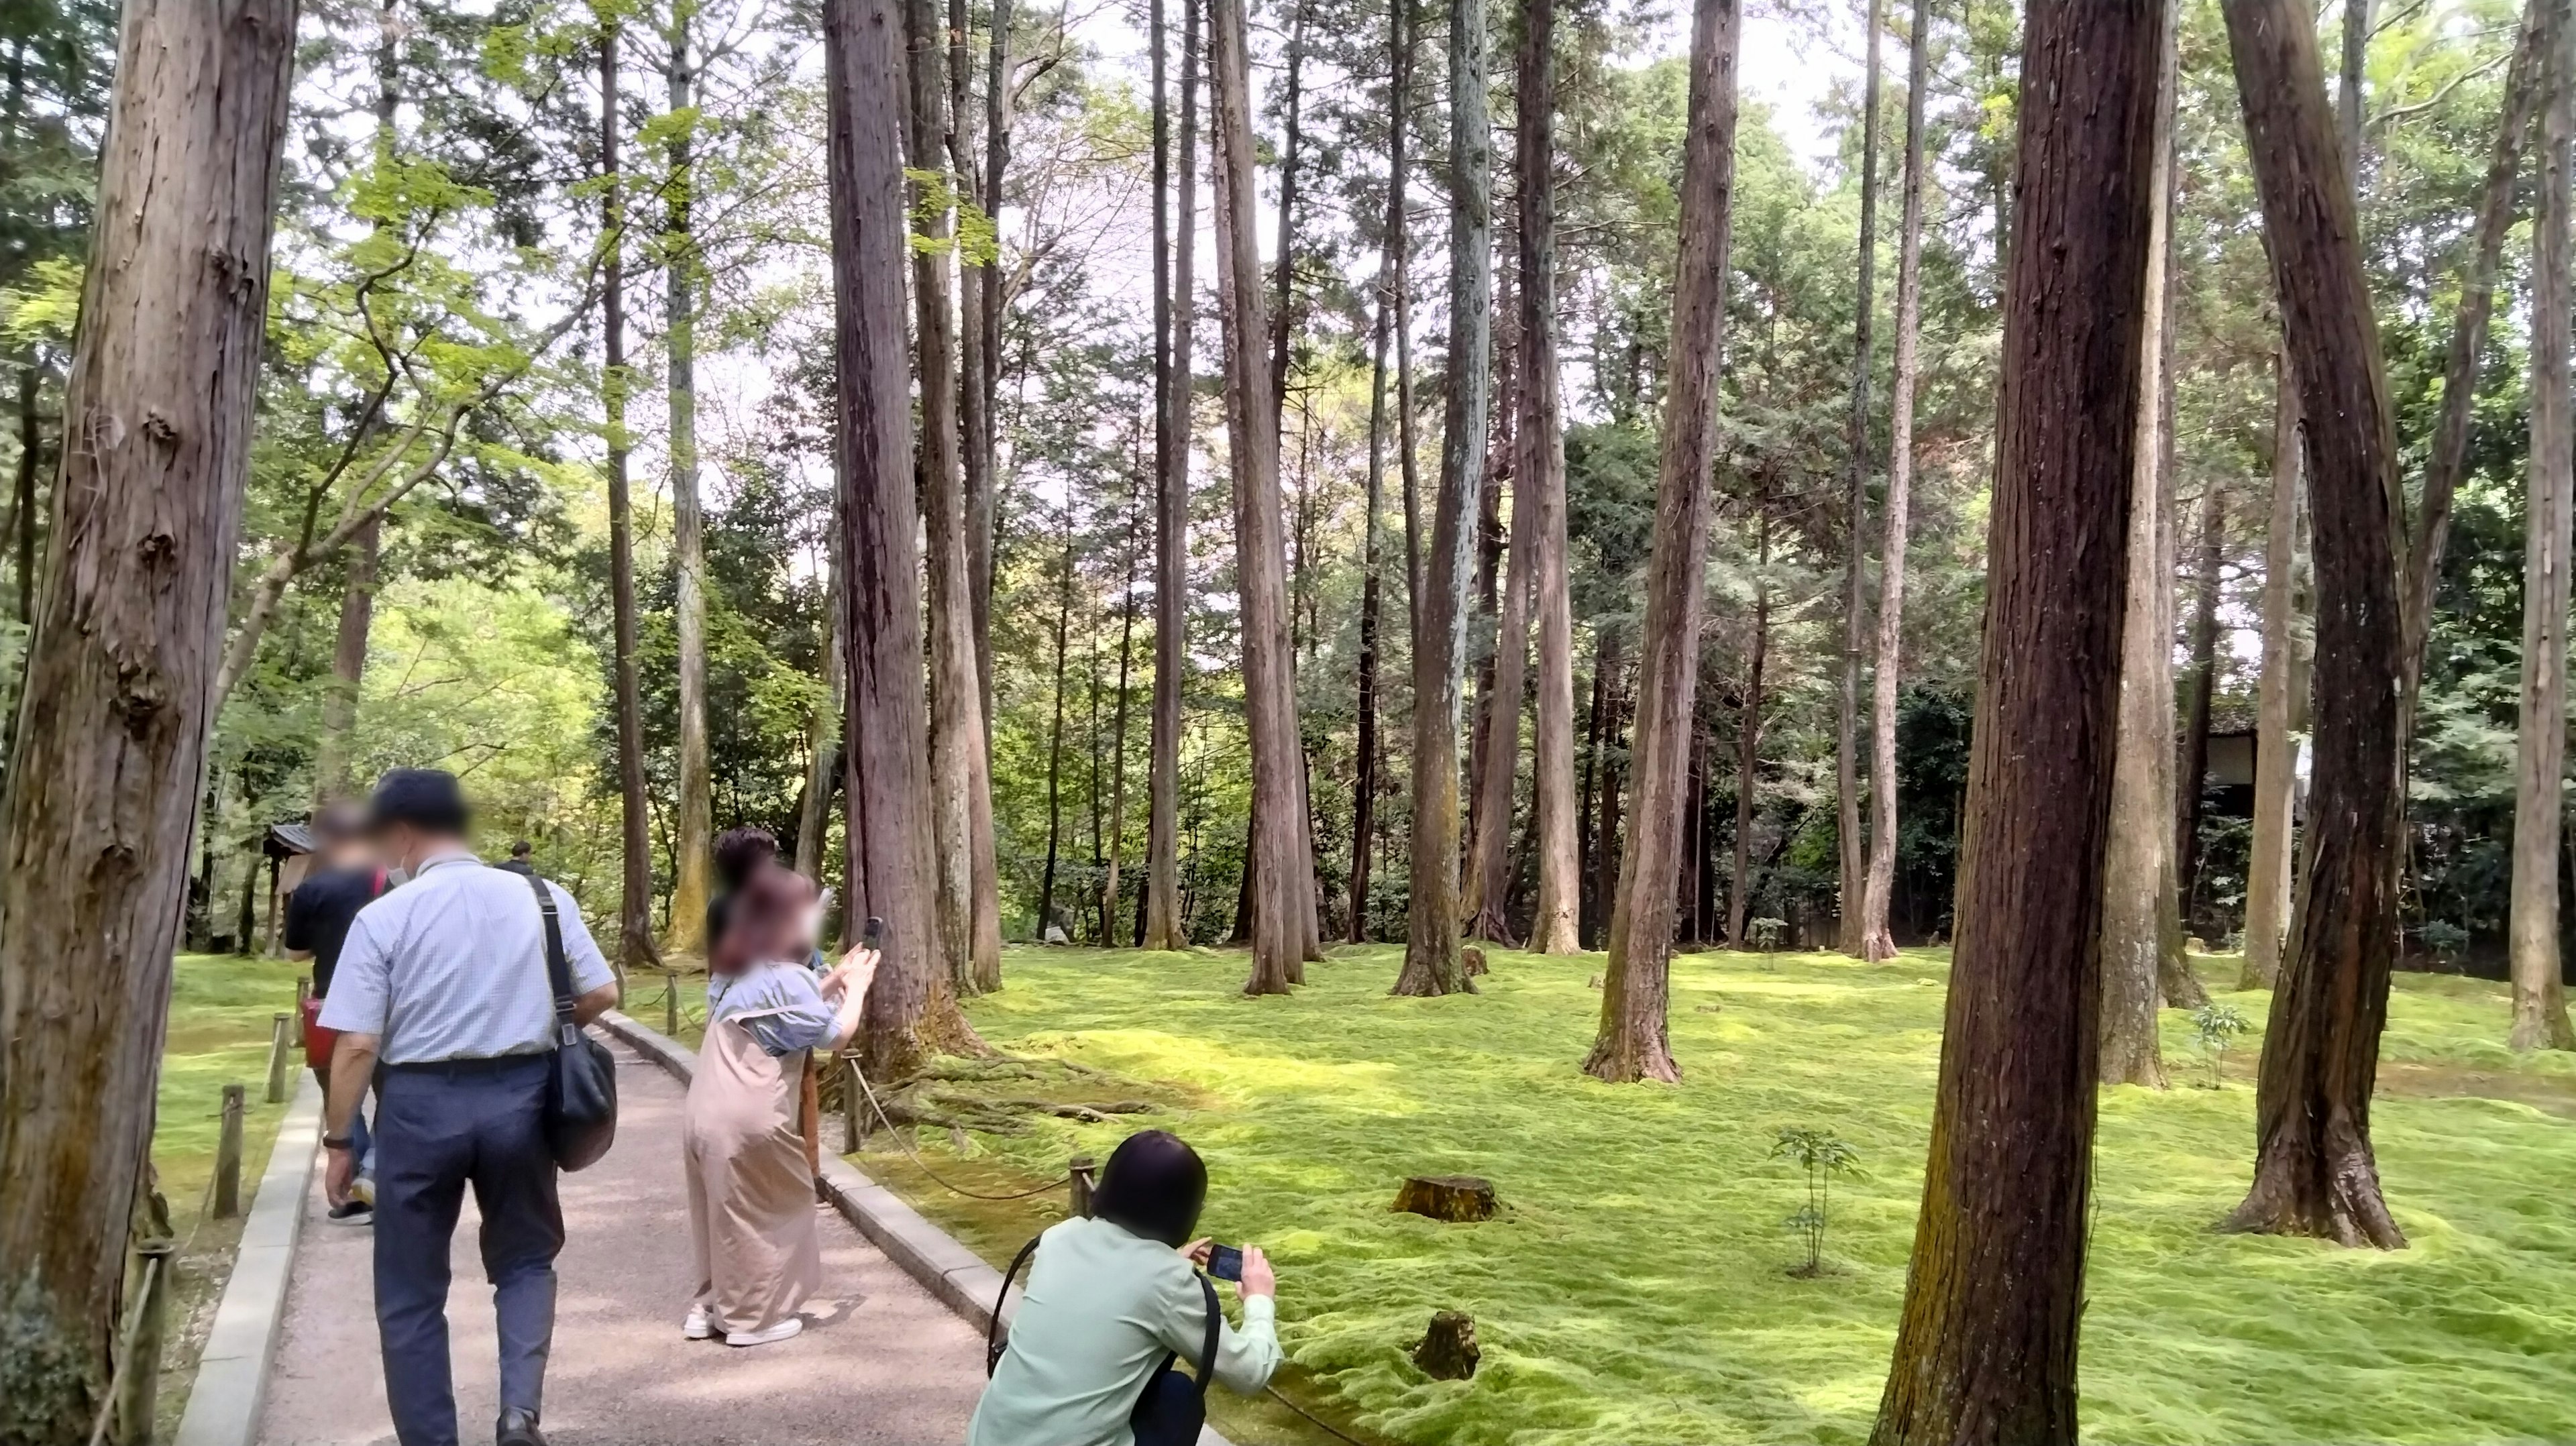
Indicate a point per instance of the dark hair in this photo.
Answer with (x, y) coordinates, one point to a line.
(522, 849)
(339, 823)
(425, 798)
(1154, 1185)
(764, 922)
(741, 850)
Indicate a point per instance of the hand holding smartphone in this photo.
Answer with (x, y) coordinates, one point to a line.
(1225, 1262)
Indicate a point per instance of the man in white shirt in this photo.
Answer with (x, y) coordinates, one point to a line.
(442, 997)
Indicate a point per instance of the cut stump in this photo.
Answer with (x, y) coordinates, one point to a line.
(1457, 1198)
(1448, 1350)
(1474, 960)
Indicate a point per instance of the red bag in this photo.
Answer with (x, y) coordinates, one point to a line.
(319, 1042)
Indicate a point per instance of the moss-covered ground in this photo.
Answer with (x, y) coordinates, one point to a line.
(1636, 1290)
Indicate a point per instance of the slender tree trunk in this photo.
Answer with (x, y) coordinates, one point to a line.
(1589, 922)
(2314, 1173)
(1498, 762)
(1852, 856)
(975, 396)
(1283, 317)
(1118, 745)
(2267, 883)
(2204, 683)
(1985, 1348)
(1605, 838)
(1633, 1042)
(2349, 115)
(2539, 996)
(822, 737)
(1432, 961)
(107, 765)
(636, 948)
(912, 1010)
(1687, 938)
(1876, 942)
(30, 455)
(694, 830)
(1542, 441)
(1283, 915)
(1484, 626)
(1748, 738)
(1175, 312)
(1391, 243)
(2136, 856)
(331, 778)
(988, 321)
(1055, 737)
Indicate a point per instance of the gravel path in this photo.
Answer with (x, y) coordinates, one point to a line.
(880, 1361)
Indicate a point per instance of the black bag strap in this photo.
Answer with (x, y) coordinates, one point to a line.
(1215, 1324)
(995, 1340)
(558, 972)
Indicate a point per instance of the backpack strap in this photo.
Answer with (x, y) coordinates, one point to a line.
(996, 1340)
(1215, 1324)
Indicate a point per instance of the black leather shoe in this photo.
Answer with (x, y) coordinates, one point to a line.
(518, 1428)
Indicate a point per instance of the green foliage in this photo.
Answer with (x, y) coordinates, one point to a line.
(2214, 1029)
(1822, 1155)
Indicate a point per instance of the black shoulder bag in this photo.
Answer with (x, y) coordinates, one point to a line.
(581, 1079)
(1173, 1408)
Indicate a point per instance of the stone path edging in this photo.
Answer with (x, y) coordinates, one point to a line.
(232, 1374)
(956, 1275)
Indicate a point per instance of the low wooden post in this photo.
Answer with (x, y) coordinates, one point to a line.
(138, 1367)
(854, 1119)
(279, 1035)
(228, 1153)
(671, 1003)
(1085, 1175)
(303, 993)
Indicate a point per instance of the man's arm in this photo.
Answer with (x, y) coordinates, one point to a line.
(595, 1003)
(589, 968)
(353, 1062)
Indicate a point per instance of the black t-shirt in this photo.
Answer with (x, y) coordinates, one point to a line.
(319, 912)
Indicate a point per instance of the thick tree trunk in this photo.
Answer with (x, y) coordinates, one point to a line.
(1633, 1041)
(2267, 883)
(2314, 1173)
(331, 778)
(636, 948)
(1748, 737)
(2194, 776)
(822, 738)
(1985, 1348)
(2539, 995)
(1542, 485)
(912, 1011)
(1875, 941)
(693, 832)
(1852, 882)
(107, 765)
(1391, 245)
(1175, 313)
(1283, 914)
(2136, 858)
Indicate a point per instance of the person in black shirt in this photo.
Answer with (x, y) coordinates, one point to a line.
(318, 915)
(740, 852)
(518, 863)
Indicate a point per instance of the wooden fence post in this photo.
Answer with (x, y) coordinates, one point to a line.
(279, 1035)
(228, 1153)
(1084, 1175)
(854, 1121)
(138, 1366)
(671, 1003)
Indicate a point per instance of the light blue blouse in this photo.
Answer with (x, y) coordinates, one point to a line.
(790, 1013)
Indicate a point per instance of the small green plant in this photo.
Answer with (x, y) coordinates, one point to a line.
(2214, 1028)
(2446, 942)
(1767, 934)
(1823, 1155)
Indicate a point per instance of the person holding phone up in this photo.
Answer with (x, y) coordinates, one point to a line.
(1113, 1300)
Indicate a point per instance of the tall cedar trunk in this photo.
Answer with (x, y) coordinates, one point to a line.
(1985, 1348)
(2137, 855)
(2194, 775)
(1852, 882)
(2267, 882)
(960, 770)
(1391, 243)
(912, 1011)
(1875, 941)
(1408, 452)
(30, 455)
(694, 828)
(331, 778)
(2314, 1173)
(1174, 314)
(1118, 744)
(1589, 920)
(1748, 736)
(1055, 737)
(1432, 961)
(1633, 1042)
(1498, 761)
(1694, 847)
(107, 767)
(1283, 914)
(1542, 468)
(822, 738)
(2539, 996)
(636, 948)
(975, 430)
(988, 320)
(1490, 540)
(1283, 315)
(1605, 834)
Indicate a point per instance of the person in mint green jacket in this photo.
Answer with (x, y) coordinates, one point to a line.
(1109, 1298)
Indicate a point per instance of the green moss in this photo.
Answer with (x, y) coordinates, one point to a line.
(1635, 1288)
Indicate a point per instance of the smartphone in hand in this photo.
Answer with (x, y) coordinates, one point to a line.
(1225, 1262)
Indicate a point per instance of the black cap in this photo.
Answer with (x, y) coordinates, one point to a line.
(425, 798)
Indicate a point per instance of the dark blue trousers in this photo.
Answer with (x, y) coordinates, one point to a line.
(438, 1129)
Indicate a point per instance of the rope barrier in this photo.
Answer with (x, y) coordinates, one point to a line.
(1058, 1183)
(125, 1349)
(1319, 1422)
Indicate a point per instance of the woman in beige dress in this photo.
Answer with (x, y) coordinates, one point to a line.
(751, 1184)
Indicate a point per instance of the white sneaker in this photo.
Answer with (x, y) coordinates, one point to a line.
(792, 1326)
(695, 1325)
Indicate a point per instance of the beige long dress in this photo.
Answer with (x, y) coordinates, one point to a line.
(751, 1190)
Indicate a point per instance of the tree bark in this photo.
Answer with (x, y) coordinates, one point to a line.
(1748, 734)
(988, 322)
(1283, 915)
(29, 460)
(1542, 441)
(822, 738)
(2267, 882)
(1432, 964)
(1876, 942)
(912, 1010)
(1852, 884)
(1118, 744)
(1633, 1042)
(107, 766)
(1589, 923)
(2539, 995)
(636, 948)
(1605, 838)
(1498, 759)
(1175, 312)
(2314, 1173)
(1283, 317)
(693, 829)
(2204, 682)
(1985, 1348)
(1391, 244)
(331, 780)
(1055, 736)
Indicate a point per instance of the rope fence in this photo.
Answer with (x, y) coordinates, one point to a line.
(1058, 1183)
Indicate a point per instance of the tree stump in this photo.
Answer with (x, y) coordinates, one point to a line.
(1455, 1198)
(1474, 960)
(1448, 1350)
